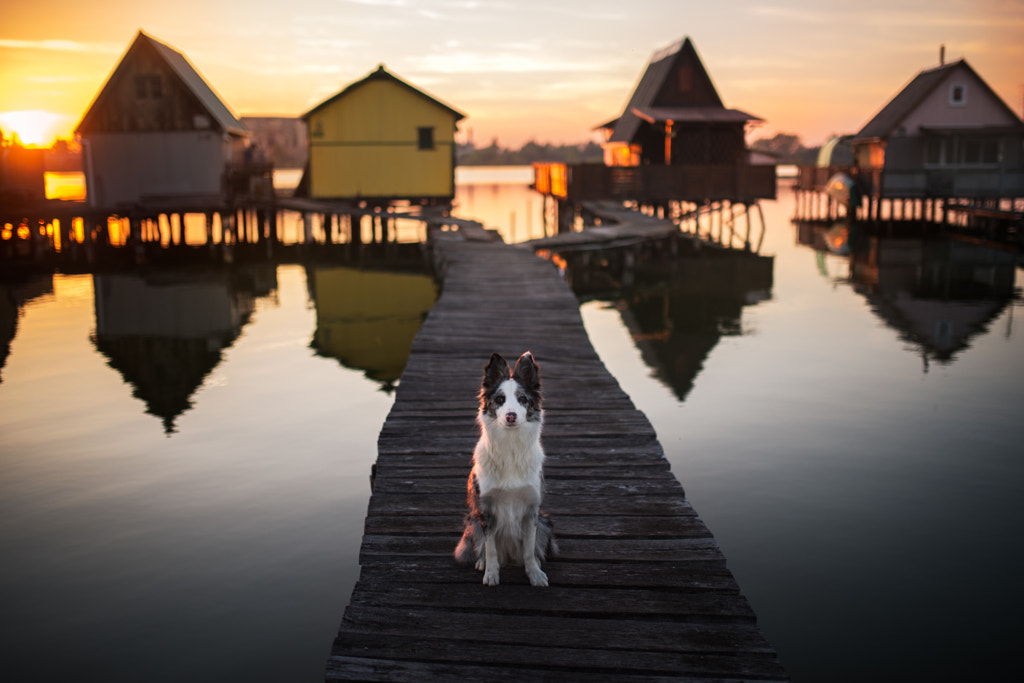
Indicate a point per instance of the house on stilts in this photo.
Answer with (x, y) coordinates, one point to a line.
(946, 148)
(377, 143)
(158, 133)
(674, 147)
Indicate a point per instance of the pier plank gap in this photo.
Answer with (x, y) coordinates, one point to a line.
(640, 590)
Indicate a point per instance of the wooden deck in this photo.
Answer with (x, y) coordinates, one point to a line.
(640, 590)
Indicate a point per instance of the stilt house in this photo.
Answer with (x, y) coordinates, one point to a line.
(157, 130)
(675, 116)
(674, 141)
(945, 134)
(380, 139)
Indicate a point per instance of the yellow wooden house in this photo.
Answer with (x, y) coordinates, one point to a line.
(381, 139)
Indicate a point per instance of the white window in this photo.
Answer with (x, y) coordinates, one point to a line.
(958, 95)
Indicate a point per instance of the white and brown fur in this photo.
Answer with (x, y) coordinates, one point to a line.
(504, 524)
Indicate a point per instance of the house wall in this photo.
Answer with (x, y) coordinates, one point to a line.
(124, 168)
(365, 144)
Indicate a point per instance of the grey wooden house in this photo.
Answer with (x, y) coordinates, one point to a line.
(157, 131)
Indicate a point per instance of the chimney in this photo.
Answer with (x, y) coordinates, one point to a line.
(942, 55)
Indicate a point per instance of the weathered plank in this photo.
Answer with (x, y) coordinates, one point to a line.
(640, 591)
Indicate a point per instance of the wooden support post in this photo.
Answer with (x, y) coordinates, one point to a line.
(357, 229)
(208, 228)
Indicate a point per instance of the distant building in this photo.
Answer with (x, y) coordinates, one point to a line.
(945, 134)
(157, 130)
(280, 140)
(381, 139)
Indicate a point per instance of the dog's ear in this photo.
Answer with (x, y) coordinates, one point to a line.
(496, 371)
(527, 371)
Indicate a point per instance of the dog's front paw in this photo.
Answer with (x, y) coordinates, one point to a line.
(537, 577)
(491, 577)
(481, 564)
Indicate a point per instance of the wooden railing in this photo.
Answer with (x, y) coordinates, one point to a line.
(655, 184)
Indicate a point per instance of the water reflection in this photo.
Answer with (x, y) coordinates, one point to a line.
(367, 319)
(13, 297)
(676, 317)
(166, 331)
(939, 294)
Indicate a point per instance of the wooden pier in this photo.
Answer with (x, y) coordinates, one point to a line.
(640, 590)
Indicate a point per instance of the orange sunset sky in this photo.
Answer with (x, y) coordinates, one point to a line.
(547, 71)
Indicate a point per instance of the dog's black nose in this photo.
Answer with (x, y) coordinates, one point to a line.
(510, 418)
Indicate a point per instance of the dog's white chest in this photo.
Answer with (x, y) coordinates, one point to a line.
(509, 458)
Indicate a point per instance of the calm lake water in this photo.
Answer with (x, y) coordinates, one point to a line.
(182, 494)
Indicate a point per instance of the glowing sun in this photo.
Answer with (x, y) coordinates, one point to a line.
(33, 127)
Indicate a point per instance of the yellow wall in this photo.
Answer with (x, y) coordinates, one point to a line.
(365, 144)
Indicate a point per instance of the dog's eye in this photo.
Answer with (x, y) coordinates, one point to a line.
(499, 399)
(521, 397)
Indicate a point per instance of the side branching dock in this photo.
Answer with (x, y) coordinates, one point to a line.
(640, 590)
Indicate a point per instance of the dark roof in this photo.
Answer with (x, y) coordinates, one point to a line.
(198, 85)
(189, 77)
(693, 115)
(886, 121)
(658, 95)
(381, 74)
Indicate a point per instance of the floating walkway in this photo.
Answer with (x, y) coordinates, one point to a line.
(640, 590)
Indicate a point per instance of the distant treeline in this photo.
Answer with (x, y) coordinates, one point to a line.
(495, 155)
(785, 147)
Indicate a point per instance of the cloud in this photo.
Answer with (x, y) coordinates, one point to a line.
(61, 46)
(793, 14)
(497, 62)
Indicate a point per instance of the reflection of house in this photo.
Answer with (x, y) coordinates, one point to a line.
(381, 139)
(945, 134)
(367, 319)
(164, 334)
(674, 141)
(938, 294)
(157, 129)
(675, 325)
(13, 296)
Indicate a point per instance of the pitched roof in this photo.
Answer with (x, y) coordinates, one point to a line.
(382, 74)
(659, 97)
(912, 95)
(199, 87)
(189, 77)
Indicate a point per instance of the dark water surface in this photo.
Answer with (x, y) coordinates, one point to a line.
(855, 441)
(185, 460)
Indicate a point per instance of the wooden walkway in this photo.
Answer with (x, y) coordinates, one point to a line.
(621, 227)
(640, 591)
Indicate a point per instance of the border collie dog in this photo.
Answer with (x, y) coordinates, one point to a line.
(504, 524)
